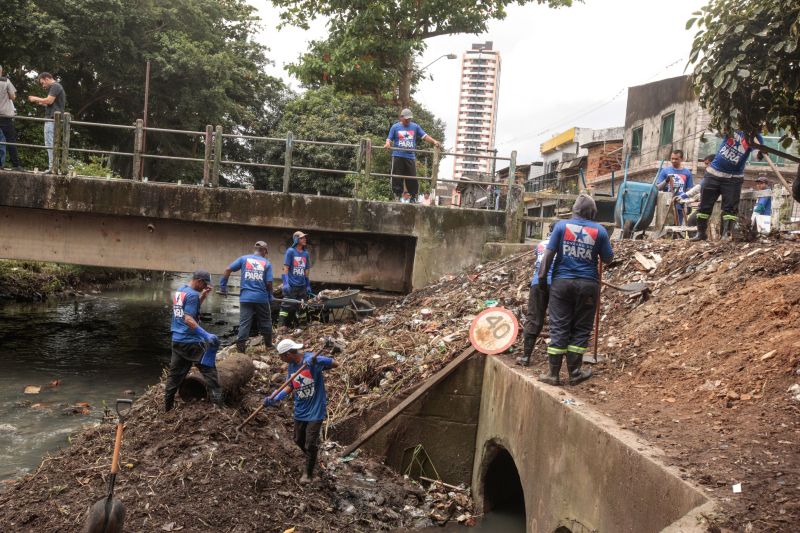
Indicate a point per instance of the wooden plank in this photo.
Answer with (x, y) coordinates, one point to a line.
(414, 396)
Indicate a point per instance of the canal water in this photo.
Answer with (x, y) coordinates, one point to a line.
(97, 348)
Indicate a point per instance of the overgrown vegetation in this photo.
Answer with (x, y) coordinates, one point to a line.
(36, 281)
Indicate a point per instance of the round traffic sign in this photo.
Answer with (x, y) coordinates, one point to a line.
(494, 330)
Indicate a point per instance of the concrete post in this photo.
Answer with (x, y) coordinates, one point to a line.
(367, 159)
(136, 172)
(57, 136)
(512, 169)
(64, 159)
(515, 210)
(360, 155)
(287, 162)
(217, 156)
(207, 154)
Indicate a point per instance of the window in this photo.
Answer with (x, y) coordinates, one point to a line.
(636, 140)
(667, 128)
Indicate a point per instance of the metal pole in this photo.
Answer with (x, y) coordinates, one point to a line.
(217, 157)
(287, 163)
(435, 169)
(207, 154)
(64, 159)
(138, 138)
(368, 159)
(57, 119)
(144, 115)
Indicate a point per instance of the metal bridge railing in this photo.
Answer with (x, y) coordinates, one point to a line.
(213, 159)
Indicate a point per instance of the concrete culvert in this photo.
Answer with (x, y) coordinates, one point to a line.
(502, 487)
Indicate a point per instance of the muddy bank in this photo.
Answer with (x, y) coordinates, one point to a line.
(32, 281)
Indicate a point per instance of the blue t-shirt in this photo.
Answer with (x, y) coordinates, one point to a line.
(540, 248)
(733, 153)
(680, 181)
(764, 205)
(310, 398)
(256, 273)
(405, 137)
(185, 301)
(577, 244)
(298, 262)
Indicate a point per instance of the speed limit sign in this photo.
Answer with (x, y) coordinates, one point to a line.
(494, 330)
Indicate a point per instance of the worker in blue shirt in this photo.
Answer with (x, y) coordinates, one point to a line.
(764, 204)
(255, 296)
(296, 278)
(537, 305)
(573, 251)
(310, 398)
(404, 134)
(677, 180)
(190, 341)
(724, 176)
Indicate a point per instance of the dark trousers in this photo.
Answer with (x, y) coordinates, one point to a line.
(289, 310)
(306, 435)
(713, 187)
(537, 308)
(403, 166)
(248, 310)
(572, 309)
(10, 133)
(183, 357)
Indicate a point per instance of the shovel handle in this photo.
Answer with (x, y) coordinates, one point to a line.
(123, 412)
(117, 447)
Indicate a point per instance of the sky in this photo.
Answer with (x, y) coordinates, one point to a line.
(560, 67)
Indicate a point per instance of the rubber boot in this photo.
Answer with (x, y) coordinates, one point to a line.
(241, 346)
(551, 378)
(311, 462)
(727, 230)
(576, 375)
(527, 350)
(702, 230)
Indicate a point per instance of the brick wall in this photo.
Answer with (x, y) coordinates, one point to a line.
(603, 158)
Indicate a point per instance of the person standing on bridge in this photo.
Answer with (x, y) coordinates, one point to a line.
(189, 340)
(7, 111)
(404, 134)
(310, 399)
(54, 102)
(255, 295)
(573, 251)
(296, 279)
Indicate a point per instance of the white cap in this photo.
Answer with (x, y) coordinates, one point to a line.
(288, 344)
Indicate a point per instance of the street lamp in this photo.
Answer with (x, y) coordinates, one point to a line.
(448, 56)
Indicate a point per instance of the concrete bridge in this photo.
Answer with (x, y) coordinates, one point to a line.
(535, 451)
(161, 226)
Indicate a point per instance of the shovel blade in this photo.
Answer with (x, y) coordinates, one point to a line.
(105, 517)
(634, 287)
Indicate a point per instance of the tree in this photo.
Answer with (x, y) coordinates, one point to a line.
(371, 42)
(328, 115)
(747, 64)
(206, 69)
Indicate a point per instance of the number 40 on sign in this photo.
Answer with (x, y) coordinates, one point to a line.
(494, 330)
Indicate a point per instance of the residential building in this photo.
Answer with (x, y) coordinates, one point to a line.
(477, 112)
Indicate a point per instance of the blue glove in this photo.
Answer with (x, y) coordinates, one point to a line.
(223, 285)
(210, 356)
(285, 278)
(271, 401)
(308, 286)
(210, 338)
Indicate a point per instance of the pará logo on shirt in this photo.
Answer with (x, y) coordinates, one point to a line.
(579, 241)
(177, 304)
(304, 385)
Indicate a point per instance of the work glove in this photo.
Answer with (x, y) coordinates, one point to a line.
(207, 337)
(285, 279)
(272, 401)
(308, 288)
(210, 356)
(223, 286)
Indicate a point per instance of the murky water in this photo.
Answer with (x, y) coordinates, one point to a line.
(495, 522)
(96, 348)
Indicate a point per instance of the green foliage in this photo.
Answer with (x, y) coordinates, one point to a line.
(94, 166)
(206, 69)
(328, 115)
(372, 46)
(747, 64)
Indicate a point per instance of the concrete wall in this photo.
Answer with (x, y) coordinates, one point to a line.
(121, 223)
(444, 421)
(575, 466)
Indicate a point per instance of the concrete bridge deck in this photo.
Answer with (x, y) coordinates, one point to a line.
(162, 226)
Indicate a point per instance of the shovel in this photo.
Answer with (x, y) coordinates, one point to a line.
(107, 515)
(631, 288)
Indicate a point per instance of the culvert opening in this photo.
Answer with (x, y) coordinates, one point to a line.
(502, 488)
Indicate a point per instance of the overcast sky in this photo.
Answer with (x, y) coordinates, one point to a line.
(560, 68)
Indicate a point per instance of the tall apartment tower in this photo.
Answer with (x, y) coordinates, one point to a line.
(477, 111)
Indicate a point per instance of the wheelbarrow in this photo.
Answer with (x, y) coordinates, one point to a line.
(636, 204)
